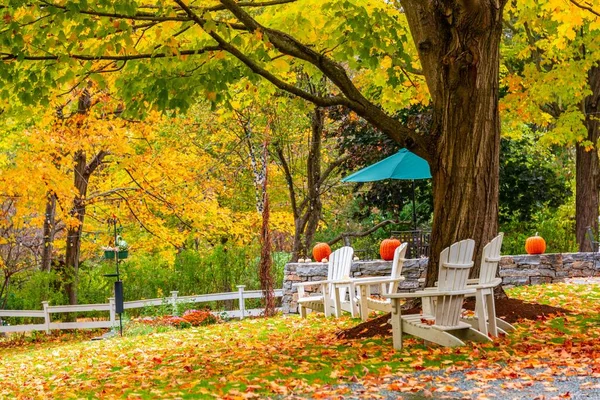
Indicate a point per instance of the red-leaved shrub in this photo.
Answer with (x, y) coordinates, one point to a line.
(200, 317)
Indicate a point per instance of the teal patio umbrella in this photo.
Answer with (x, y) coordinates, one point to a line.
(403, 165)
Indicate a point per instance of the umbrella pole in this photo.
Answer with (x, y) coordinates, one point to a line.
(414, 209)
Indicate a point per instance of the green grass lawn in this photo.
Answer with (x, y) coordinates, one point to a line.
(284, 355)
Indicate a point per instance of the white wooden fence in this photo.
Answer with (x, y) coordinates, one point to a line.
(241, 295)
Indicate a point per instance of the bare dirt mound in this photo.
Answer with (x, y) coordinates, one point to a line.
(510, 310)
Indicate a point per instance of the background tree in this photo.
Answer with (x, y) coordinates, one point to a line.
(530, 178)
(306, 162)
(554, 83)
(20, 247)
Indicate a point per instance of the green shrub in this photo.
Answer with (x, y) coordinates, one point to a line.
(30, 288)
(556, 226)
(145, 276)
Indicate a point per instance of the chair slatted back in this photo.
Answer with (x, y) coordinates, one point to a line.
(455, 264)
(589, 233)
(490, 260)
(397, 264)
(340, 262)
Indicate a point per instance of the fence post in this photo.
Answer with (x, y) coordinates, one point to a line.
(46, 316)
(113, 318)
(174, 301)
(242, 301)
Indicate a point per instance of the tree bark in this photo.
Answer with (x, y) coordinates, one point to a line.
(314, 205)
(5, 283)
(458, 44)
(73, 247)
(307, 213)
(266, 258)
(82, 172)
(49, 231)
(588, 167)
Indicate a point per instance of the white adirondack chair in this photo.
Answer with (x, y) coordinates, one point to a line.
(485, 308)
(387, 285)
(443, 325)
(331, 298)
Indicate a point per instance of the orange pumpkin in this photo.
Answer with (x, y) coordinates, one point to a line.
(321, 251)
(387, 248)
(535, 245)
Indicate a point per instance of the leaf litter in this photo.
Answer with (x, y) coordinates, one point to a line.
(287, 356)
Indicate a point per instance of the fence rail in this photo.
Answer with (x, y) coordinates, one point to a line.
(241, 295)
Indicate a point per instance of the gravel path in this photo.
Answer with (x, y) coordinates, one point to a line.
(535, 383)
(500, 383)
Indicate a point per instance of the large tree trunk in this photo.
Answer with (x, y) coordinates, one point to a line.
(588, 167)
(458, 43)
(49, 231)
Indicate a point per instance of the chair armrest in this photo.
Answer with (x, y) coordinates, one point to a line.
(458, 265)
(430, 293)
(376, 281)
(475, 282)
(495, 282)
(493, 259)
(335, 282)
(311, 283)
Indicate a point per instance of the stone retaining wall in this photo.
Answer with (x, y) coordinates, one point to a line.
(514, 271)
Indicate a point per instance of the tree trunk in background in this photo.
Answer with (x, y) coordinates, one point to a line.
(265, 265)
(307, 214)
(73, 247)
(3, 300)
(4, 289)
(588, 167)
(49, 231)
(314, 207)
(82, 172)
(458, 44)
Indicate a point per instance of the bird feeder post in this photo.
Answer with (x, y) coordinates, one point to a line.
(118, 287)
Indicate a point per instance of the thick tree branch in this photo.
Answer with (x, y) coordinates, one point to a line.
(85, 57)
(251, 4)
(93, 164)
(142, 16)
(363, 233)
(331, 167)
(337, 74)
(256, 68)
